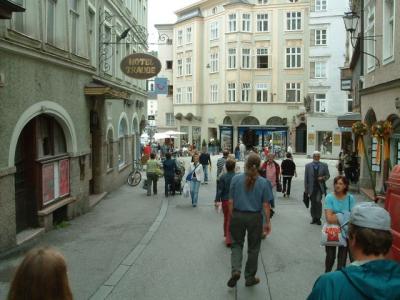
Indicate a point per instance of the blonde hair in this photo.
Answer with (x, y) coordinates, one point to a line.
(251, 170)
(42, 275)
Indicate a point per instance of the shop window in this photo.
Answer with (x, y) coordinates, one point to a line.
(324, 144)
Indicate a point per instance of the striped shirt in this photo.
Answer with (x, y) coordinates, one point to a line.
(220, 165)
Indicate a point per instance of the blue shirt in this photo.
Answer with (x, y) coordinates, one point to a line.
(252, 200)
(339, 206)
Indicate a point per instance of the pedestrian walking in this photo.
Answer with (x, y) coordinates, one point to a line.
(205, 160)
(250, 194)
(220, 167)
(315, 175)
(289, 149)
(152, 173)
(242, 149)
(224, 184)
(338, 206)
(288, 171)
(42, 275)
(169, 166)
(271, 170)
(370, 276)
(237, 152)
(195, 175)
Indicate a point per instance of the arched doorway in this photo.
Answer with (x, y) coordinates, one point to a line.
(301, 138)
(42, 169)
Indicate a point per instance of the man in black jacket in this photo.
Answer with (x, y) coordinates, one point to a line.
(205, 161)
(169, 166)
(288, 168)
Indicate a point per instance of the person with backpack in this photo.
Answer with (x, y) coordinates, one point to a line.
(288, 168)
(195, 175)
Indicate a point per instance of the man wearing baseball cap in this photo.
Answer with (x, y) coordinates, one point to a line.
(370, 276)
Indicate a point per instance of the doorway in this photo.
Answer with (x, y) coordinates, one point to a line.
(301, 138)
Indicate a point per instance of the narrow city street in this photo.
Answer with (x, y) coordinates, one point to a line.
(131, 246)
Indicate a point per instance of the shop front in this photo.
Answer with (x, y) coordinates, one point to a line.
(274, 137)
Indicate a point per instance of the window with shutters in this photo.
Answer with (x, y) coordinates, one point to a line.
(262, 92)
(231, 92)
(293, 92)
(320, 5)
(262, 22)
(293, 58)
(246, 23)
(246, 92)
(232, 26)
(293, 20)
(232, 58)
(246, 59)
(320, 103)
(320, 37)
(262, 58)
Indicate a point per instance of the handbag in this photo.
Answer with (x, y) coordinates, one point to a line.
(145, 184)
(306, 199)
(186, 189)
(190, 175)
(333, 234)
(279, 185)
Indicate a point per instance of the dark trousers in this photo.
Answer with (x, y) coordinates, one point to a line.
(241, 223)
(169, 185)
(227, 221)
(331, 256)
(287, 183)
(152, 180)
(316, 204)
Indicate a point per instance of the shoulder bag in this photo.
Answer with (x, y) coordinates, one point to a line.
(190, 175)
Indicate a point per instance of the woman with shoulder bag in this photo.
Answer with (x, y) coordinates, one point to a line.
(195, 175)
(338, 206)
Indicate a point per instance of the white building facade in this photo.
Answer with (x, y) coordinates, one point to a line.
(240, 67)
(327, 54)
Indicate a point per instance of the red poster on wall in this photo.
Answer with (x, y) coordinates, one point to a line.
(64, 177)
(47, 183)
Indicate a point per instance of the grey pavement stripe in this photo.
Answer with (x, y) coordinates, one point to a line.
(106, 289)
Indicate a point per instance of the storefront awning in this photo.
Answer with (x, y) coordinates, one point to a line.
(347, 120)
(7, 8)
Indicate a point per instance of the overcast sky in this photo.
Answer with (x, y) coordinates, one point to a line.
(162, 12)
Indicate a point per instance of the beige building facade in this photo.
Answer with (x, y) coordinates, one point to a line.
(240, 66)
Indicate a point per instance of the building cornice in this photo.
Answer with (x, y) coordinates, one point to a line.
(385, 86)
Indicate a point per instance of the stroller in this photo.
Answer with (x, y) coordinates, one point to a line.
(179, 172)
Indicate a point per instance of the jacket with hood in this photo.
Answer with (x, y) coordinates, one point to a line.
(374, 280)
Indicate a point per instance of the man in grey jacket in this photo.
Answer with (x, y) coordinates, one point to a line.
(316, 174)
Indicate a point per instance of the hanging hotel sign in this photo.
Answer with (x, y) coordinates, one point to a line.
(140, 66)
(346, 84)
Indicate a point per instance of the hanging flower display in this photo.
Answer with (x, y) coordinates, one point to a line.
(359, 128)
(387, 132)
(377, 129)
(387, 129)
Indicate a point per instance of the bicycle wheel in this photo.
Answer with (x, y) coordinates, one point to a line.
(134, 178)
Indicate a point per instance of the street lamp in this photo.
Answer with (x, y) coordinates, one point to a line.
(351, 21)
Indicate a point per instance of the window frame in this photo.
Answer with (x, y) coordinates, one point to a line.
(214, 93)
(189, 35)
(214, 30)
(232, 58)
(188, 66)
(321, 102)
(248, 59)
(294, 19)
(258, 64)
(262, 22)
(246, 23)
(319, 5)
(388, 56)
(189, 95)
(322, 75)
(245, 92)
(232, 23)
(295, 57)
(319, 34)
(214, 62)
(370, 30)
(179, 66)
(179, 37)
(262, 90)
(231, 90)
(296, 87)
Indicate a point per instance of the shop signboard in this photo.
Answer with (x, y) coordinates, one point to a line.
(336, 140)
(311, 139)
(140, 66)
(346, 85)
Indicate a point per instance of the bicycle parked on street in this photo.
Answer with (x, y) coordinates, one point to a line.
(135, 176)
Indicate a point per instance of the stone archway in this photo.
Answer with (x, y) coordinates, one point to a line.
(249, 120)
(275, 121)
(227, 121)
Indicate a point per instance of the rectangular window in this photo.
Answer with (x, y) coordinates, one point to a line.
(180, 67)
(214, 31)
(214, 93)
(320, 69)
(231, 58)
(262, 92)
(246, 23)
(188, 66)
(262, 22)
(73, 9)
(370, 32)
(293, 20)
(262, 58)
(108, 63)
(293, 92)
(168, 64)
(320, 37)
(178, 96)
(320, 103)
(51, 15)
(232, 23)
(214, 62)
(246, 88)
(293, 58)
(349, 102)
(388, 29)
(180, 37)
(189, 95)
(246, 59)
(169, 119)
(320, 5)
(188, 35)
(232, 92)
(19, 18)
(262, 1)
(92, 37)
(170, 90)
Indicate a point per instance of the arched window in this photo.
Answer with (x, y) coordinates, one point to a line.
(250, 121)
(110, 156)
(227, 121)
(122, 143)
(275, 121)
